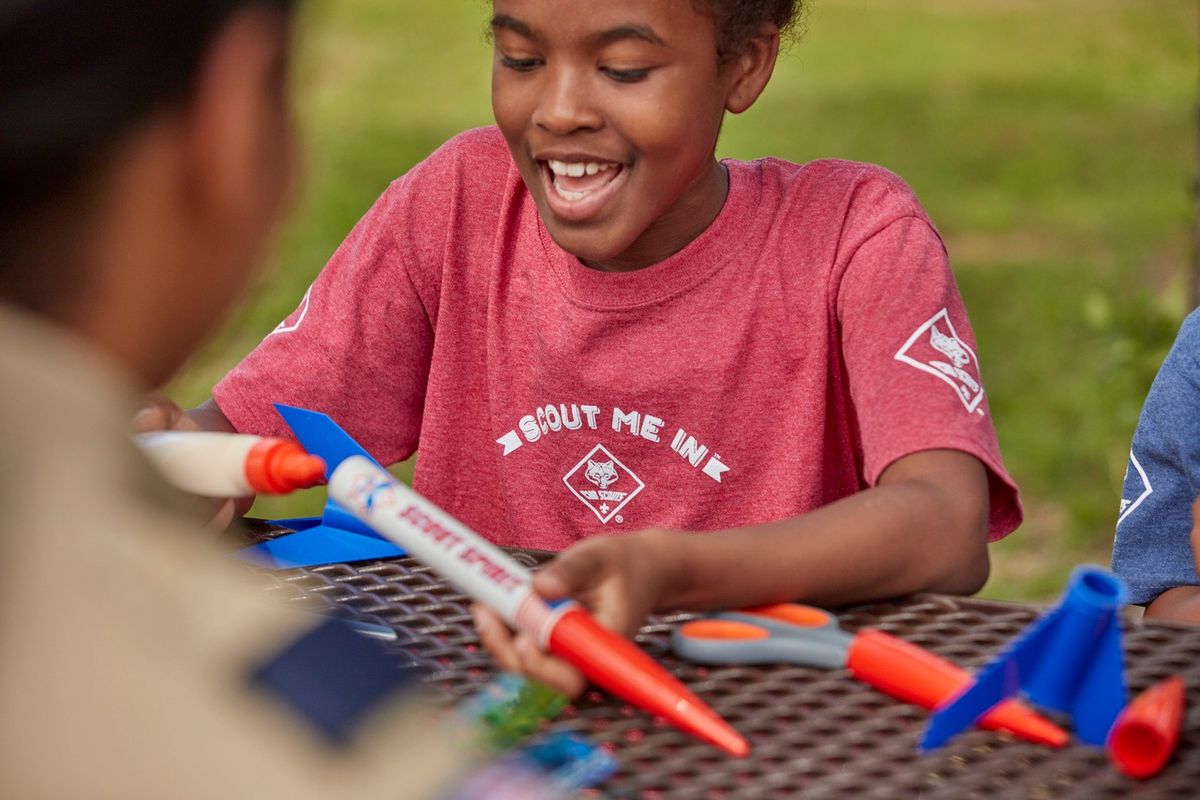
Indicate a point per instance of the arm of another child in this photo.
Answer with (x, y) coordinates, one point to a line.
(1151, 550)
(1181, 603)
(924, 527)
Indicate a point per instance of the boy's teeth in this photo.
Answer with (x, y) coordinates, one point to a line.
(577, 169)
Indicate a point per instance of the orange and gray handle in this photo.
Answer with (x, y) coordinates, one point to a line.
(786, 632)
(798, 634)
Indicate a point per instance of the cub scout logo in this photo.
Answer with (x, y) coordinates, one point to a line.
(294, 319)
(1140, 486)
(935, 348)
(603, 483)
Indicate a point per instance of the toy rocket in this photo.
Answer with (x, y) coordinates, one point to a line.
(1068, 660)
(488, 574)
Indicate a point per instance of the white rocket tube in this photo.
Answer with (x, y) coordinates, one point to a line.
(215, 464)
(486, 573)
(433, 537)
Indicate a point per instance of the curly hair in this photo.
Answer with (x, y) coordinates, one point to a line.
(737, 20)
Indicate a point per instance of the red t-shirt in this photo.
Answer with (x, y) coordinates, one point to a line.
(811, 336)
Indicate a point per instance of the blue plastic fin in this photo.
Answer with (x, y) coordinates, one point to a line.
(995, 683)
(321, 436)
(1069, 660)
(316, 547)
(337, 537)
(1103, 694)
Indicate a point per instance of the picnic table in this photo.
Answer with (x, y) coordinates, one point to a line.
(814, 733)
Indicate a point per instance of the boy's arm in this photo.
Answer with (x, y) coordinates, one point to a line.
(1181, 603)
(1151, 549)
(923, 528)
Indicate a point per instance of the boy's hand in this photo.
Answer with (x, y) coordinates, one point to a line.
(619, 579)
(160, 413)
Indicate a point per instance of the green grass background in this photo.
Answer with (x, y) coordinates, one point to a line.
(1050, 140)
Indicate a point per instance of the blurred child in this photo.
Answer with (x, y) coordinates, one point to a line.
(145, 151)
(1153, 551)
(589, 325)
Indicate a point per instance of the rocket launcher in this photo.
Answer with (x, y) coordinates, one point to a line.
(1069, 660)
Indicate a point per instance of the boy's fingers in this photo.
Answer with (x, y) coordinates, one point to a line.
(548, 670)
(160, 414)
(615, 615)
(570, 573)
(494, 636)
(522, 656)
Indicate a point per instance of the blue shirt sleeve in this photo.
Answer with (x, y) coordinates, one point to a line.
(1151, 551)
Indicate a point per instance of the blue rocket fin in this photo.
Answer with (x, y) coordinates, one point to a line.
(999, 680)
(1103, 693)
(337, 537)
(1068, 660)
(316, 547)
(323, 437)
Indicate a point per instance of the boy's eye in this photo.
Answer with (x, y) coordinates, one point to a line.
(626, 75)
(520, 64)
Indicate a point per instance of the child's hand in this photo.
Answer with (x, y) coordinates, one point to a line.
(619, 579)
(162, 414)
(1195, 534)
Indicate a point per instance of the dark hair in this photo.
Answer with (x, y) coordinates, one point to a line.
(737, 20)
(75, 77)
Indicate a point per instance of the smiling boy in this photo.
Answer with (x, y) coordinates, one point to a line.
(590, 325)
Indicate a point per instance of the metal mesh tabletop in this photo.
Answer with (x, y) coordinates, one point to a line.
(814, 733)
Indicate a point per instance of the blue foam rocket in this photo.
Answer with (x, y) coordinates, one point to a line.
(336, 536)
(1068, 660)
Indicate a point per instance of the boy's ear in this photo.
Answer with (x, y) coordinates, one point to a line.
(752, 67)
(236, 119)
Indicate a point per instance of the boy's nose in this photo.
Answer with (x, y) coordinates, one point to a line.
(566, 106)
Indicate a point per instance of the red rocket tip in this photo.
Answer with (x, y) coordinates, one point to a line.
(1024, 722)
(302, 470)
(612, 662)
(719, 732)
(1145, 734)
(279, 466)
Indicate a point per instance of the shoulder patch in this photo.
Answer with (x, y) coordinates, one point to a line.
(935, 348)
(1140, 487)
(293, 320)
(333, 677)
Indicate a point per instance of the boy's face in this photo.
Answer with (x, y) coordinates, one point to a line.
(611, 111)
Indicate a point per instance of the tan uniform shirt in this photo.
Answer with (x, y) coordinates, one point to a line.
(125, 640)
